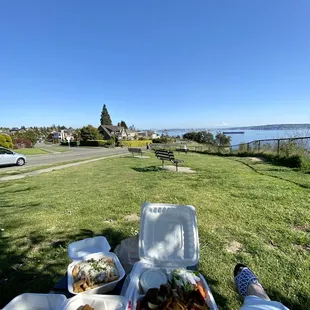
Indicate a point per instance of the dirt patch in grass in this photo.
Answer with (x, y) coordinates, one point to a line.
(132, 218)
(234, 247)
(256, 159)
(306, 247)
(301, 228)
(108, 221)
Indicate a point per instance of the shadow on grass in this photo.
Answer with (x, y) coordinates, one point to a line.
(148, 169)
(277, 296)
(220, 300)
(35, 262)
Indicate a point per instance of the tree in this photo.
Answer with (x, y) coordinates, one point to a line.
(200, 137)
(6, 141)
(90, 133)
(105, 116)
(222, 140)
(31, 135)
(124, 125)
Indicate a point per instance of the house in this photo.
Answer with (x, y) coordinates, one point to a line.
(131, 134)
(109, 131)
(67, 133)
(147, 134)
(14, 130)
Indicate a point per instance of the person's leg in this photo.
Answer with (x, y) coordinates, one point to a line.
(254, 294)
(250, 284)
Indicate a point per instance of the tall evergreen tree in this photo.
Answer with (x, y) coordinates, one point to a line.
(124, 125)
(105, 118)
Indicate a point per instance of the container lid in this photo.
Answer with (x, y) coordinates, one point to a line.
(29, 301)
(77, 250)
(168, 235)
(102, 302)
(152, 278)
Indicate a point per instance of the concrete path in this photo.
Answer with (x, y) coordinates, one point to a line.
(37, 172)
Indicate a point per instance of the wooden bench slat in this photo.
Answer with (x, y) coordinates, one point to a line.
(169, 156)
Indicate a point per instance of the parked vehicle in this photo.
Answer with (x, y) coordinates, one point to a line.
(8, 157)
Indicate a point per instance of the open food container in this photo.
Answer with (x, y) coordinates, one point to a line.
(92, 249)
(168, 240)
(60, 302)
(29, 301)
(100, 302)
(103, 288)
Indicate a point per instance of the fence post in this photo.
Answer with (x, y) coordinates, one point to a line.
(258, 145)
(278, 151)
(248, 146)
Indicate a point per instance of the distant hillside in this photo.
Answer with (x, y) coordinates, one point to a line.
(274, 127)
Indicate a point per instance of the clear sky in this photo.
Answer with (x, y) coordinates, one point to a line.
(154, 63)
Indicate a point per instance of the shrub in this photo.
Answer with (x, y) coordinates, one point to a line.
(89, 133)
(110, 142)
(22, 143)
(6, 141)
(28, 135)
(93, 143)
(65, 143)
(242, 147)
(160, 140)
(135, 143)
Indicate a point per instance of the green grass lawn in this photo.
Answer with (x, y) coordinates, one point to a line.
(247, 212)
(31, 151)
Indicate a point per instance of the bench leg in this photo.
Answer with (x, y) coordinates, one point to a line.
(176, 167)
(162, 164)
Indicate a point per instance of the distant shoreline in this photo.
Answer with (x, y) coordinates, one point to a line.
(259, 127)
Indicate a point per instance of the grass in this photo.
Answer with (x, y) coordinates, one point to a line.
(31, 151)
(254, 213)
(42, 151)
(61, 149)
(26, 169)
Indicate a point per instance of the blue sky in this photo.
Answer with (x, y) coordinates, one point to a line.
(155, 64)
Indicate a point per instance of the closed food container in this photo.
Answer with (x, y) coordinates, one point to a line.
(152, 278)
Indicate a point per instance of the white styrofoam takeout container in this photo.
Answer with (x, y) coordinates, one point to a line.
(29, 301)
(104, 288)
(60, 302)
(78, 249)
(168, 239)
(102, 302)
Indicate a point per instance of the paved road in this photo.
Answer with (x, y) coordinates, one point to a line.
(74, 154)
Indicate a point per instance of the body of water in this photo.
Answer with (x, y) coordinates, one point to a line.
(249, 135)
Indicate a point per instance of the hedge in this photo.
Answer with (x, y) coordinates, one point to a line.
(134, 143)
(93, 143)
(64, 143)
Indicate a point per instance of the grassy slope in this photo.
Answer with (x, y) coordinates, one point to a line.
(268, 216)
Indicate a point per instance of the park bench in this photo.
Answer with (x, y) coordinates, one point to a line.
(167, 155)
(135, 150)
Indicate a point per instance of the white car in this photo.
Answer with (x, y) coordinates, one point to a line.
(8, 157)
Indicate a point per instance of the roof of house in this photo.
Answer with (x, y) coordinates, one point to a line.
(131, 131)
(112, 127)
